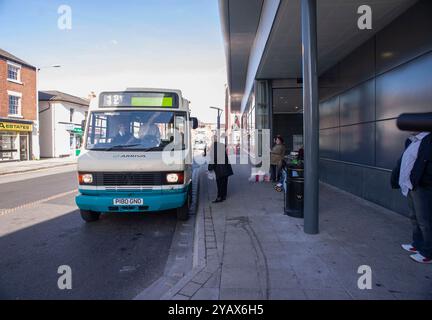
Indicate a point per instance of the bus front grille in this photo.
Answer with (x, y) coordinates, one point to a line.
(130, 179)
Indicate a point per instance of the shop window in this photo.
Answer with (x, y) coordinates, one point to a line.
(8, 147)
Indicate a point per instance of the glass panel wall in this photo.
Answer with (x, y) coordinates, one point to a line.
(256, 119)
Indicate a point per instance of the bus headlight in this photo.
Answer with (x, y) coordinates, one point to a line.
(174, 178)
(85, 178)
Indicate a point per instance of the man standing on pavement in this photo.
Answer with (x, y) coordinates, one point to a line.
(413, 175)
(219, 163)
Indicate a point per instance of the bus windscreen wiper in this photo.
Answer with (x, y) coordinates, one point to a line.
(158, 148)
(122, 146)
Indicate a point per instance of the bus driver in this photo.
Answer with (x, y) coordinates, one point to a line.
(149, 135)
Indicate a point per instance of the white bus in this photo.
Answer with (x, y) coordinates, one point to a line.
(137, 155)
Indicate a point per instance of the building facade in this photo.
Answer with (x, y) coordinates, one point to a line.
(367, 78)
(18, 111)
(61, 118)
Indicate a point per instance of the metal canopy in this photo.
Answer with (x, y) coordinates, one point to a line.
(338, 35)
(240, 20)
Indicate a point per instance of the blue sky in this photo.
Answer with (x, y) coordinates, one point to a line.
(117, 44)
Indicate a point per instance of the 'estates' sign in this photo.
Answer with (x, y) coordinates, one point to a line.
(10, 126)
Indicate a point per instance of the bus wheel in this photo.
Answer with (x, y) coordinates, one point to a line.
(183, 212)
(89, 216)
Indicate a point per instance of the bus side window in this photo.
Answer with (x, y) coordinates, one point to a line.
(180, 131)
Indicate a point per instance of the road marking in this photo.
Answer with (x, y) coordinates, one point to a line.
(34, 203)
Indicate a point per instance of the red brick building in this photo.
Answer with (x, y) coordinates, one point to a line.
(18, 109)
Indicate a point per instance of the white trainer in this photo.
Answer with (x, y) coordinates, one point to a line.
(420, 259)
(409, 248)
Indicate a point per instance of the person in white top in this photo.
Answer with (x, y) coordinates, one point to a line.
(413, 175)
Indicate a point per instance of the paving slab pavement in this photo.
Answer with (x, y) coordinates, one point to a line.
(248, 249)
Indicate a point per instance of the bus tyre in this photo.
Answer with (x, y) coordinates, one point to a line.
(183, 212)
(89, 216)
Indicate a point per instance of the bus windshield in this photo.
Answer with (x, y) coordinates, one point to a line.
(136, 131)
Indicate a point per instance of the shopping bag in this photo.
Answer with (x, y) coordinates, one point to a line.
(211, 175)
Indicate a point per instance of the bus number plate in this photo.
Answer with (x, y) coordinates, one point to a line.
(128, 202)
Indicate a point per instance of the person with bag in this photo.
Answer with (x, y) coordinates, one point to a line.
(413, 175)
(277, 154)
(221, 167)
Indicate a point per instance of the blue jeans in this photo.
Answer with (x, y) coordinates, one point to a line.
(283, 179)
(420, 205)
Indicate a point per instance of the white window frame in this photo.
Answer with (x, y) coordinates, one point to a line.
(13, 64)
(19, 96)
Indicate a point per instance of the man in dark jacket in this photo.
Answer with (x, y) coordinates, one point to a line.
(413, 175)
(222, 168)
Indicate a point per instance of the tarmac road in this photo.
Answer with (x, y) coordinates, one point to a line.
(115, 258)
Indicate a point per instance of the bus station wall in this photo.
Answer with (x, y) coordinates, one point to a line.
(360, 99)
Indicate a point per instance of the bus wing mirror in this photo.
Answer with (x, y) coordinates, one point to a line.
(83, 124)
(194, 123)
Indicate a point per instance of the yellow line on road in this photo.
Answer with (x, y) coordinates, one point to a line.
(34, 203)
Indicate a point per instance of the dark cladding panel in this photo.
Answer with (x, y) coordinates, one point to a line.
(352, 179)
(359, 66)
(405, 89)
(329, 143)
(406, 38)
(377, 188)
(358, 104)
(331, 172)
(329, 83)
(357, 143)
(329, 113)
(390, 143)
(388, 75)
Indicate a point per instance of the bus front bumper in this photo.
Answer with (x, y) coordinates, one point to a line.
(103, 201)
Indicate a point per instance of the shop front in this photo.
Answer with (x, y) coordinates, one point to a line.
(15, 140)
(75, 134)
(76, 141)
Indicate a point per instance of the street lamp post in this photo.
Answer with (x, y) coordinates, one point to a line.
(220, 111)
(47, 67)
